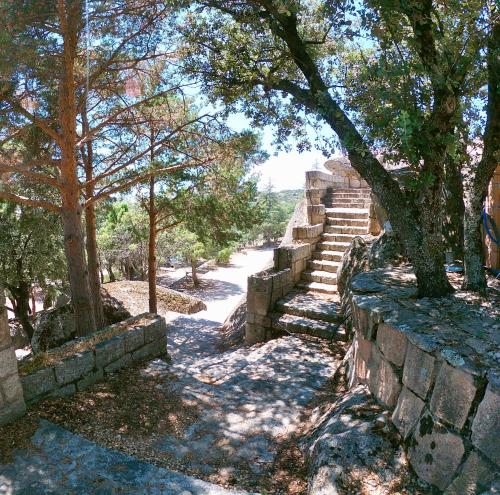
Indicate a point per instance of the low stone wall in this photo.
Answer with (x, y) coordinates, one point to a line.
(79, 370)
(11, 393)
(267, 287)
(435, 365)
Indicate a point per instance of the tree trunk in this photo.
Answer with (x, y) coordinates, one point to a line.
(112, 277)
(71, 210)
(194, 273)
(477, 187)
(474, 277)
(21, 298)
(33, 302)
(454, 209)
(93, 265)
(77, 270)
(152, 248)
(90, 230)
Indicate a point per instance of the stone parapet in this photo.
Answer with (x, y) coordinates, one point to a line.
(265, 288)
(12, 403)
(436, 365)
(308, 233)
(144, 338)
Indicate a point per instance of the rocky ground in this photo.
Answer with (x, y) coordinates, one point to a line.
(228, 421)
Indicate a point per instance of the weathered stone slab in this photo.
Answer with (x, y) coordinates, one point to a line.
(437, 452)
(134, 339)
(90, 379)
(383, 382)
(8, 362)
(74, 367)
(155, 332)
(392, 342)
(475, 476)
(407, 412)
(118, 364)
(12, 389)
(110, 350)
(151, 350)
(66, 391)
(453, 395)
(486, 424)
(418, 372)
(38, 383)
(12, 411)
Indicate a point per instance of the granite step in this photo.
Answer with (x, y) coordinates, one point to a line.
(311, 306)
(332, 246)
(345, 229)
(317, 287)
(353, 213)
(347, 222)
(328, 255)
(346, 204)
(349, 190)
(324, 265)
(335, 237)
(307, 326)
(320, 276)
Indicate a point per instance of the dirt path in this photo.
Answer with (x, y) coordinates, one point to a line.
(226, 418)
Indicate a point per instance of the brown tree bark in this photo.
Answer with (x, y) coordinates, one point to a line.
(71, 209)
(153, 305)
(476, 187)
(194, 273)
(20, 298)
(90, 230)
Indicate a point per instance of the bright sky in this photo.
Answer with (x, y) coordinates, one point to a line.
(285, 170)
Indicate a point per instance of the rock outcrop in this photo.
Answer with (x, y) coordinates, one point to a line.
(54, 327)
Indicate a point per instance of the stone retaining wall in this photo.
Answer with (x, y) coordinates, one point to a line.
(81, 369)
(11, 393)
(267, 287)
(435, 364)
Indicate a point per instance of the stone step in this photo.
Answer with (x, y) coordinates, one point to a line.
(332, 246)
(345, 229)
(310, 306)
(328, 255)
(307, 326)
(345, 204)
(317, 287)
(349, 190)
(358, 213)
(347, 222)
(335, 237)
(324, 265)
(347, 195)
(320, 276)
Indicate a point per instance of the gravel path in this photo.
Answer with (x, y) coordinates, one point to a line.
(250, 402)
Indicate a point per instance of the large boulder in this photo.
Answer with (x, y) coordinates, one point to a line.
(53, 328)
(114, 310)
(363, 255)
(385, 250)
(17, 334)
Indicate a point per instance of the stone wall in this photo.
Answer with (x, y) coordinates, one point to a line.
(435, 364)
(81, 369)
(267, 287)
(11, 393)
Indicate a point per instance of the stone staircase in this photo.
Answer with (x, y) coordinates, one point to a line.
(313, 308)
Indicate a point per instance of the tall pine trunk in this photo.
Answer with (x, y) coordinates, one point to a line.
(153, 305)
(20, 296)
(90, 231)
(71, 209)
(474, 277)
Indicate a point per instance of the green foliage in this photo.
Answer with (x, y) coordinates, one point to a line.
(31, 247)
